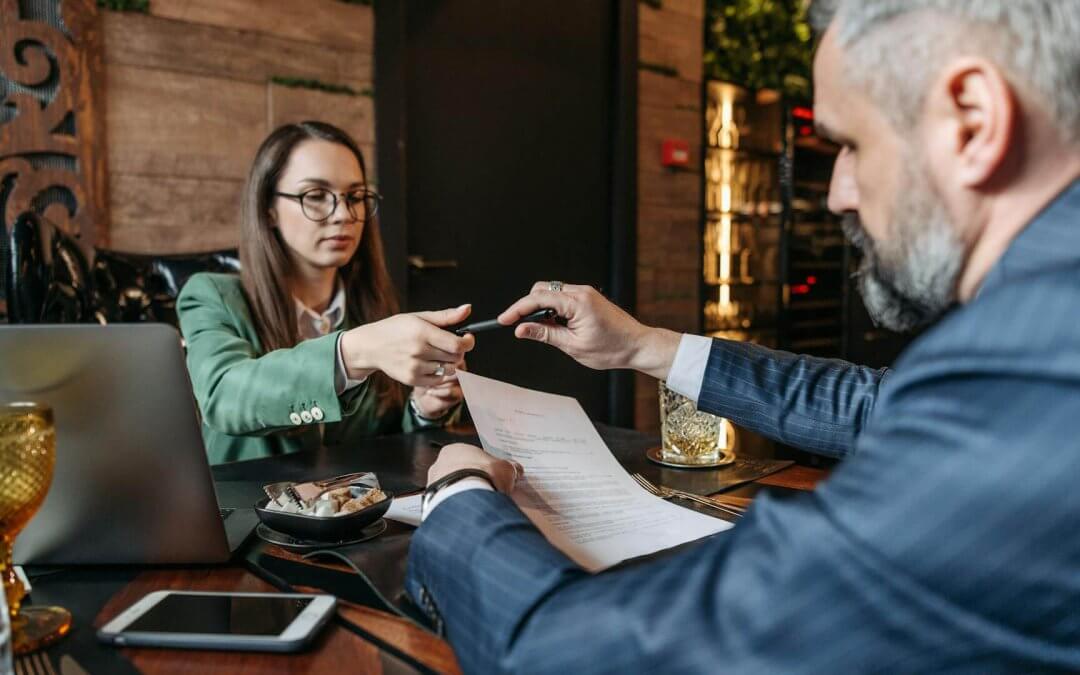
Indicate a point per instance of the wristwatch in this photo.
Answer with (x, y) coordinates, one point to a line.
(450, 479)
(416, 411)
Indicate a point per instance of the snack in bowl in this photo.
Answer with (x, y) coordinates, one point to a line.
(329, 510)
(325, 498)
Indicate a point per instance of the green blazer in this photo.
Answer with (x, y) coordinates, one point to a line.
(247, 397)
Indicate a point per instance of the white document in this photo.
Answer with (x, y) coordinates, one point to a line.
(574, 490)
(405, 510)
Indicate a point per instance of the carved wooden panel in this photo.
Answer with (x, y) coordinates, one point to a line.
(52, 146)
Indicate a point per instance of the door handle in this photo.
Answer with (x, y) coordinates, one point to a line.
(419, 263)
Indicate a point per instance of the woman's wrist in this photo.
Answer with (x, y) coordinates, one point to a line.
(425, 416)
(360, 361)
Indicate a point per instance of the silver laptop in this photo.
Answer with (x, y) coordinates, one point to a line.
(132, 483)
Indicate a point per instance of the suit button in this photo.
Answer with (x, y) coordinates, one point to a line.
(295, 418)
(306, 417)
(317, 413)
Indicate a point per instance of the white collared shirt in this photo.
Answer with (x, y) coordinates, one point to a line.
(312, 324)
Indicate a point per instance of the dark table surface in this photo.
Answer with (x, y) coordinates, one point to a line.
(384, 642)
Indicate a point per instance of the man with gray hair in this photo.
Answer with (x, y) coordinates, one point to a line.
(947, 538)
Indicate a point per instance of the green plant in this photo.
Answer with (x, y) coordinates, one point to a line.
(142, 6)
(759, 44)
(302, 83)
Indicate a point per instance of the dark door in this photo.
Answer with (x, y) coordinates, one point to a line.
(504, 164)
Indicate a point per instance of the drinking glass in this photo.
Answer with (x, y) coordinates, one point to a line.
(27, 457)
(692, 437)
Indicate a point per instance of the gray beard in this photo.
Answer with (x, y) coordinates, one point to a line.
(909, 280)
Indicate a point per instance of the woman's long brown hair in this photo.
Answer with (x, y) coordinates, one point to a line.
(265, 265)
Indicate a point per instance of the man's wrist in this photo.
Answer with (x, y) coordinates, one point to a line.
(427, 502)
(654, 351)
(472, 483)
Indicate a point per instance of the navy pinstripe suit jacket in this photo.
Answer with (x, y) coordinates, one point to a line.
(948, 539)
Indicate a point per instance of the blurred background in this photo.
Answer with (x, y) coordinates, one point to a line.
(660, 150)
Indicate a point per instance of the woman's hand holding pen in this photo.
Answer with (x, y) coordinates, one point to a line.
(597, 334)
(413, 349)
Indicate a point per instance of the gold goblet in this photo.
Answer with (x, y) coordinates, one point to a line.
(27, 456)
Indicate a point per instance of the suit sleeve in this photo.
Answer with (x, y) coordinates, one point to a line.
(816, 404)
(945, 543)
(241, 392)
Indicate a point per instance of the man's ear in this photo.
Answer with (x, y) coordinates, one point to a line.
(971, 116)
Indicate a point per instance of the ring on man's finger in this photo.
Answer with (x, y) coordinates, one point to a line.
(440, 370)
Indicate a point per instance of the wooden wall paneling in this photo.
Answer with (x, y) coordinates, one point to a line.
(324, 22)
(656, 90)
(661, 188)
(690, 8)
(167, 214)
(670, 235)
(177, 124)
(354, 114)
(675, 40)
(68, 125)
(656, 124)
(669, 202)
(152, 42)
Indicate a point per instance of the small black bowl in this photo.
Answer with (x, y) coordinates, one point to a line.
(322, 528)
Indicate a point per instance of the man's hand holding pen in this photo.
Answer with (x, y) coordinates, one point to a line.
(597, 333)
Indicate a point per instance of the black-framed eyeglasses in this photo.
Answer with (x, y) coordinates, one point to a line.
(318, 204)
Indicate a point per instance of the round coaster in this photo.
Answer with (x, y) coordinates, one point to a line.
(272, 536)
(655, 455)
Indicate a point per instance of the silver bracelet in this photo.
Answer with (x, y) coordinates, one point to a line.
(421, 415)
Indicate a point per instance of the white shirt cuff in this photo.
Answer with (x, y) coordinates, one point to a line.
(342, 382)
(688, 368)
(463, 485)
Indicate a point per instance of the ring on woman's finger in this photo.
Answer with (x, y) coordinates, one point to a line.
(440, 370)
(555, 286)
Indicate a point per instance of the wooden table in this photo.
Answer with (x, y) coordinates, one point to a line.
(361, 639)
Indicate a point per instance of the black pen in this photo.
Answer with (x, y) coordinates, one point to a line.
(480, 326)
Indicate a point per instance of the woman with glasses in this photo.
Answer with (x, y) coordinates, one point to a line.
(307, 346)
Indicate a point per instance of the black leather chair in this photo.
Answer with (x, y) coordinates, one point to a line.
(133, 288)
(50, 281)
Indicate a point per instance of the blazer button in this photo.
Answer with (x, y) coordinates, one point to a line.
(295, 418)
(306, 417)
(317, 413)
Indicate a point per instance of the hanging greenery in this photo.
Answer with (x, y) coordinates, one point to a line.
(759, 44)
(141, 6)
